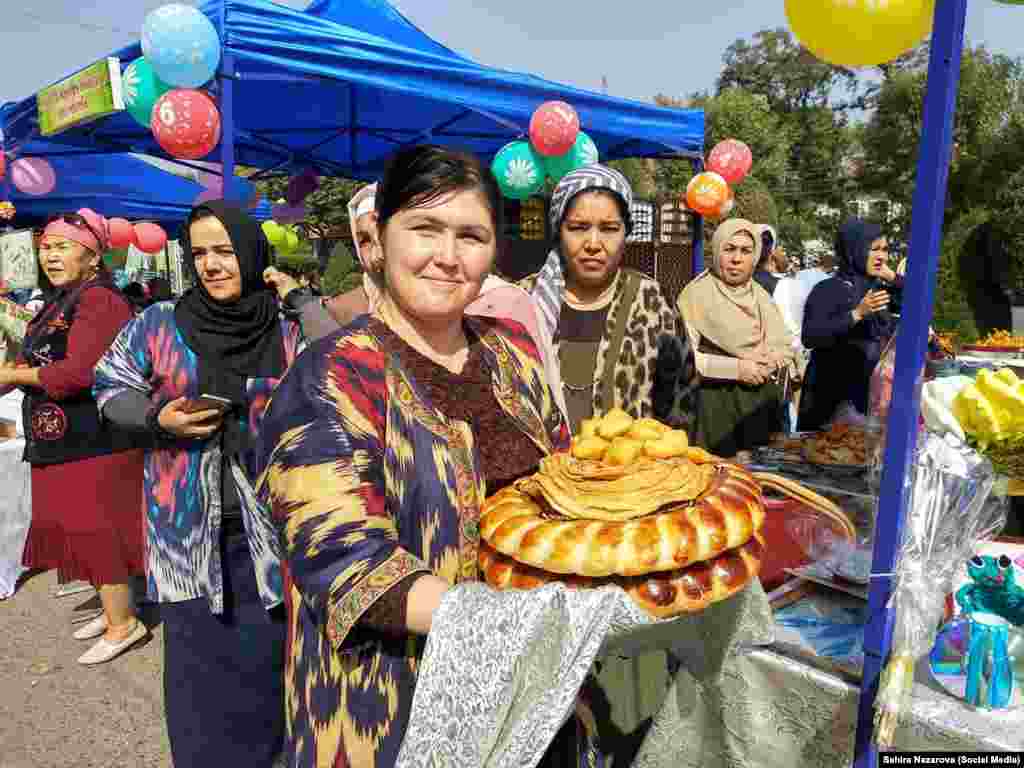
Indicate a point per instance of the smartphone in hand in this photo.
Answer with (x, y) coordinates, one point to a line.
(207, 403)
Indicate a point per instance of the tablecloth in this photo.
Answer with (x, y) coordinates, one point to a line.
(15, 512)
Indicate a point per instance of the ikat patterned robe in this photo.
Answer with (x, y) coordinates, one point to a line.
(369, 484)
(183, 479)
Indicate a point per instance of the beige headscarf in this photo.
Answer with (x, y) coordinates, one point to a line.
(363, 202)
(741, 321)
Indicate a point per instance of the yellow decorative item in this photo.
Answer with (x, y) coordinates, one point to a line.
(860, 33)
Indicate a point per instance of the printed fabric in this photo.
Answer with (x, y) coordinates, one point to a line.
(183, 478)
(369, 484)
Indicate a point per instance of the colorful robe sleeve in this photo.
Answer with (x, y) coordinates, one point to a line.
(127, 364)
(323, 479)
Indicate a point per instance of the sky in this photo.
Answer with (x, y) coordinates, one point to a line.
(672, 47)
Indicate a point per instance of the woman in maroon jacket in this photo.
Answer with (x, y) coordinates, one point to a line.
(86, 475)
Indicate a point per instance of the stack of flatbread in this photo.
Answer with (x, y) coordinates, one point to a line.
(632, 504)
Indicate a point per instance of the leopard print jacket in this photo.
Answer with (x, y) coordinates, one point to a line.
(644, 362)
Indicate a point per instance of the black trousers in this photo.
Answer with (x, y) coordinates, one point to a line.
(224, 675)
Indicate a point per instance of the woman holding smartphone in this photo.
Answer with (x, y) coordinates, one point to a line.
(198, 375)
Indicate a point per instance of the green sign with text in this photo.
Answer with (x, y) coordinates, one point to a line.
(88, 95)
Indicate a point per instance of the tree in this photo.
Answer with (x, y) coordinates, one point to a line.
(343, 272)
(327, 208)
(988, 134)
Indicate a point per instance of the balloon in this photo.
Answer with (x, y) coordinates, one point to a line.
(518, 170)
(181, 45)
(33, 176)
(860, 33)
(275, 232)
(186, 124)
(554, 128)
(301, 186)
(730, 159)
(149, 238)
(122, 233)
(141, 90)
(725, 210)
(583, 153)
(288, 214)
(3, 164)
(706, 193)
(291, 241)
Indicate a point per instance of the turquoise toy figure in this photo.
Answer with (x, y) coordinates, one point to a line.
(994, 589)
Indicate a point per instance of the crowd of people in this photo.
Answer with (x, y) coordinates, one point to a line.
(298, 476)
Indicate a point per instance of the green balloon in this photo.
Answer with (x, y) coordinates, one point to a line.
(142, 88)
(583, 153)
(518, 170)
(291, 241)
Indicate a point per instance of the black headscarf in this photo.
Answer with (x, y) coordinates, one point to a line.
(234, 340)
(853, 248)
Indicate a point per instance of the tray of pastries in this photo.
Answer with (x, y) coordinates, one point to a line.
(633, 504)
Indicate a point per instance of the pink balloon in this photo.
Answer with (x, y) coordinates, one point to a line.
(122, 233)
(731, 159)
(288, 214)
(186, 123)
(554, 128)
(3, 164)
(150, 238)
(33, 176)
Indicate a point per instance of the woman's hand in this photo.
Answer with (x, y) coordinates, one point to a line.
(754, 373)
(279, 281)
(175, 420)
(873, 302)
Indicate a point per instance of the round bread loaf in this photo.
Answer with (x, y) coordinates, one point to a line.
(664, 594)
(723, 517)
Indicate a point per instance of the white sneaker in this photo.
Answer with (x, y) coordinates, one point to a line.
(94, 628)
(104, 650)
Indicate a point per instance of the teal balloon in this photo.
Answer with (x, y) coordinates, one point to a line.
(142, 88)
(584, 152)
(519, 170)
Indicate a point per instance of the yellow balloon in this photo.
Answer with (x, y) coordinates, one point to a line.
(860, 33)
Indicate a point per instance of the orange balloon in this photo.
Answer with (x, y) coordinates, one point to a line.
(707, 193)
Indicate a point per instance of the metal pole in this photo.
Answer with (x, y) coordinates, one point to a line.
(911, 348)
(698, 230)
(226, 76)
(227, 121)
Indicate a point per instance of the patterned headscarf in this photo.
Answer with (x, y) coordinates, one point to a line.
(551, 280)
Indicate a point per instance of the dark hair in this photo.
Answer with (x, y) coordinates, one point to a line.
(624, 213)
(420, 175)
(767, 246)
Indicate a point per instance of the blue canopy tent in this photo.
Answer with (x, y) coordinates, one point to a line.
(342, 85)
(113, 185)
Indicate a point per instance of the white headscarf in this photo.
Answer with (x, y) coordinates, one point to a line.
(363, 202)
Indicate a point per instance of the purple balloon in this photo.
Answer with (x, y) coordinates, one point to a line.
(288, 214)
(33, 176)
(210, 193)
(302, 186)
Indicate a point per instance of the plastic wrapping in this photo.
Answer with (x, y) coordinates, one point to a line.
(951, 508)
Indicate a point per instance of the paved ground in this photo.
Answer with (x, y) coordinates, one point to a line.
(57, 714)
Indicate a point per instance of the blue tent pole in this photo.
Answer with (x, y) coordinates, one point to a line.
(698, 230)
(227, 122)
(911, 348)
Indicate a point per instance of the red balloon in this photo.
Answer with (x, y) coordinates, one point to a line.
(3, 164)
(186, 123)
(122, 233)
(707, 193)
(731, 159)
(554, 128)
(150, 238)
